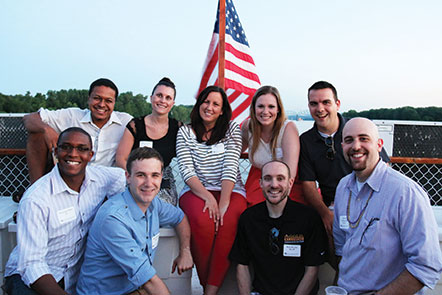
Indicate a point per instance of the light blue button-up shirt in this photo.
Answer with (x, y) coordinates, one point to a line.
(121, 245)
(397, 231)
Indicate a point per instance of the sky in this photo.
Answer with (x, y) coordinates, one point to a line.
(378, 54)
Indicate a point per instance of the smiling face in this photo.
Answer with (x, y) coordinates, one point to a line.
(144, 181)
(162, 100)
(275, 182)
(211, 109)
(101, 103)
(361, 146)
(324, 109)
(74, 151)
(266, 109)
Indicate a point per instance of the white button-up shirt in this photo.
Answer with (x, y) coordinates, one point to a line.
(105, 140)
(53, 222)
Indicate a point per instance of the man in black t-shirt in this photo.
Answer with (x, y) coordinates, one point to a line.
(283, 240)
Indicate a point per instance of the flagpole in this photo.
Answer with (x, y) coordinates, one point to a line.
(221, 43)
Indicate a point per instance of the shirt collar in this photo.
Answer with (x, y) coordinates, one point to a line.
(374, 180)
(135, 211)
(337, 133)
(87, 118)
(58, 185)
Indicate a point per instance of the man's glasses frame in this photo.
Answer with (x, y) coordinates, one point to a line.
(69, 148)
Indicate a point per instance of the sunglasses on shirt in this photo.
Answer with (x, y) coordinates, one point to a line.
(330, 143)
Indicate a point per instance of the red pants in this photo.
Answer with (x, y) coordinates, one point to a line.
(254, 191)
(210, 252)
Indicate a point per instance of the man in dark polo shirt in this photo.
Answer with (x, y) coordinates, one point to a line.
(321, 158)
(282, 239)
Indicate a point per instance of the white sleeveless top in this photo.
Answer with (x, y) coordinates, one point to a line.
(263, 153)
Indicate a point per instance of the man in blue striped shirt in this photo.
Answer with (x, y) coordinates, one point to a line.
(54, 217)
(385, 233)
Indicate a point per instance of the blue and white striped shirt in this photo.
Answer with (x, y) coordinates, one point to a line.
(53, 222)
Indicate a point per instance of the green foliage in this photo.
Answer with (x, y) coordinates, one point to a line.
(404, 113)
(136, 105)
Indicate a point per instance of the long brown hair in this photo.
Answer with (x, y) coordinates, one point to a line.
(255, 127)
(222, 123)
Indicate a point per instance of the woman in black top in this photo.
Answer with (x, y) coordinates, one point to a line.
(157, 131)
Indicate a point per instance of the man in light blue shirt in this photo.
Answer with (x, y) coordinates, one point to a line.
(385, 233)
(125, 233)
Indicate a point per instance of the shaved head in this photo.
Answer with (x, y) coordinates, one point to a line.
(361, 146)
(364, 125)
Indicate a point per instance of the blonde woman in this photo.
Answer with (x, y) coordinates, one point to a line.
(269, 136)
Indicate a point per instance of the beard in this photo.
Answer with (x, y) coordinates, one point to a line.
(272, 201)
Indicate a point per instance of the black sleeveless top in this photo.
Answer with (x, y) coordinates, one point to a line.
(166, 145)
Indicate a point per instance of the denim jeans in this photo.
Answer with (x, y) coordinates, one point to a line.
(14, 285)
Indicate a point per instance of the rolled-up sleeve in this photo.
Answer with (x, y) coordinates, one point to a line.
(168, 214)
(233, 147)
(419, 236)
(32, 241)
(184, 154)
(125, 252)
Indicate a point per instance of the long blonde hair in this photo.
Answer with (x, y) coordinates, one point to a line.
(255, 127)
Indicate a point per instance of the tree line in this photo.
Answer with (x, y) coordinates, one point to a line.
(402, 113)
(138, 105)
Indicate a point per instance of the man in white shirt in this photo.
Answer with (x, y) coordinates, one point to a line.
(104, 125)
(54, 218)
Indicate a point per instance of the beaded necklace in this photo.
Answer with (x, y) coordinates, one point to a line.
(354, 224)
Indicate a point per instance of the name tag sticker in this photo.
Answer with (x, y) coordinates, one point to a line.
(146, 143)
(155, 240)
(66, 215)
(218, 148)
(343, 222)
(279, 153)
(292, 250)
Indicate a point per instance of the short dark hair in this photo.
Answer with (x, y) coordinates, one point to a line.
(166, 82)
(222, 123)
(141, 154)
(74, 129)
(104, 82)
(323, 85)
(277, 161)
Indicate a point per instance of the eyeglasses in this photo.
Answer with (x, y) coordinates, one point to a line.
(330, 143)
(69, 148)
(273, 241)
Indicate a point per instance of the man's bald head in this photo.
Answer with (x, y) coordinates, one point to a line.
(361, 146)
(363, 125)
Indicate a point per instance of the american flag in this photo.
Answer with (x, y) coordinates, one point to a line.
(241, 79)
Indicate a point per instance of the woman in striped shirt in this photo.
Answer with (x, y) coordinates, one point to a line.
(213, 197)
